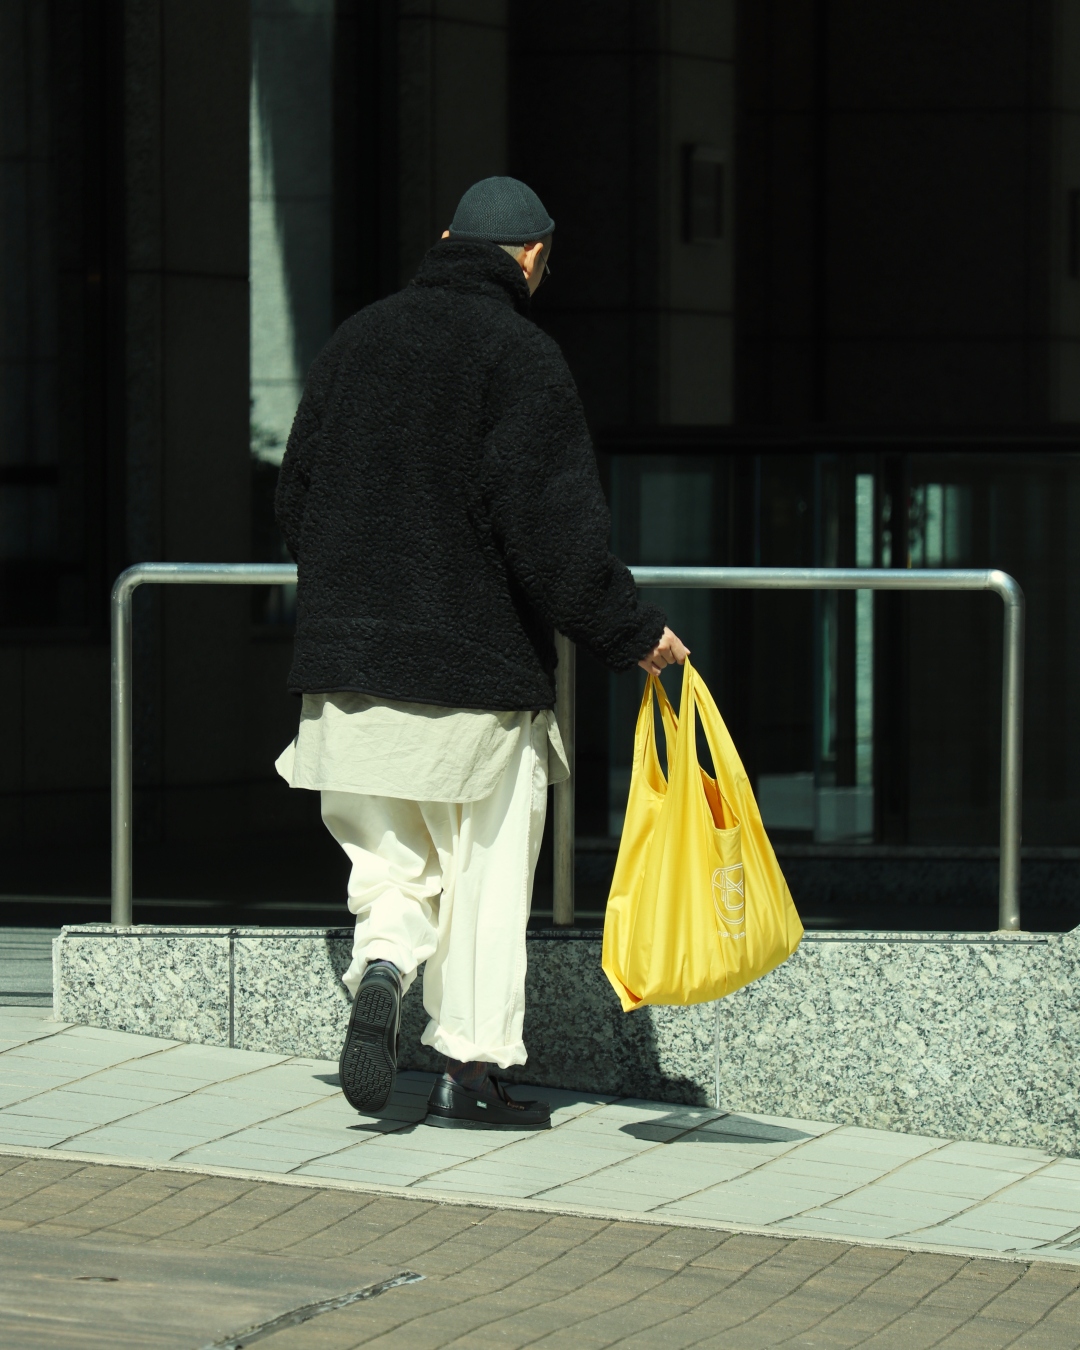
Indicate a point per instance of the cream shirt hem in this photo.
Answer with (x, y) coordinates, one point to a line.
(419, 752)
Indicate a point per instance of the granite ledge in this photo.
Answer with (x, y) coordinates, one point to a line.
(961, 1035)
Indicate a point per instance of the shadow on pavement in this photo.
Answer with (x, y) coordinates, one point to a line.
(726, 1130)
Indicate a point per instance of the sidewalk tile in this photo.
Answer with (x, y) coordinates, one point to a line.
(18, 1067)
(1062, 1170)
(80, 1108)
(326, 1137)
(32, 1132)
(357, 1172)
(743, 1209)
(389, 1170)
(1009, 1203)
(250, 1156)
(876, 1168)
(973, 1183)
(1044, 1194)
(149, 1094)
(988, 1219)
(949, 1236)
(838, 1176)
(194, 1113)
(10, 1093)
(917, 1207)
(292, 1074)
(488, 1167)
(759, 1185)
(85, 1056)
(132, 1041)
(568, 1159)
(861, 1226)
(448, 1183)
(275, 1099)
(576, 1134)
(240, 1061)
(132, 1074)
(781, 1203)
(456, 1145)
(996, 1156)
(131, 1143)
(31, 1025)
(738, 1161)
(866, 1134)
(662, 1164)
(600, 1197)
(271, 1134)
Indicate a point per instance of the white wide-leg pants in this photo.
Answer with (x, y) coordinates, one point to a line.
(450, 883)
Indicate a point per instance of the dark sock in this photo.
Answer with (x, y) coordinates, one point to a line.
(379, 961)
(473, 1076)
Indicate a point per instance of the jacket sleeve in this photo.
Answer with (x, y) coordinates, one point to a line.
(551, 522)
(294, 477)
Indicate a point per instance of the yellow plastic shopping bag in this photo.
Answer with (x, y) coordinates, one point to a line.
(698, 904)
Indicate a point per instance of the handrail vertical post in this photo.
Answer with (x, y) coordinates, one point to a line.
(562, 900)
(1012, 754)
(120, 623)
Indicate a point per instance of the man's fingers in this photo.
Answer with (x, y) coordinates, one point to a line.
(669, 651)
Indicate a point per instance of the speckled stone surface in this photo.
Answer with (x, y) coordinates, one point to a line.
(963, 1036)
(957, 1035)
(279, 990)
(288, 995)
(169, 982)
(288, 991)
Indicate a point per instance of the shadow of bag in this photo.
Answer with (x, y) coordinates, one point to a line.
(699, 906)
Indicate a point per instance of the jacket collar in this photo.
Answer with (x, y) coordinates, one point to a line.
(476, 269)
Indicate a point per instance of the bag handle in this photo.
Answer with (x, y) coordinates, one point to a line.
(725, 757)
(697, 701)
(646, 757)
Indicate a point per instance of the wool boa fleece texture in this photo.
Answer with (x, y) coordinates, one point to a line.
(440, 495)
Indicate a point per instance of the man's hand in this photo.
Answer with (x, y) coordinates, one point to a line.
(667, 652)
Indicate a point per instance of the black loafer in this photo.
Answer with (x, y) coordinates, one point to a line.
(452, 1107)
(368, 1062)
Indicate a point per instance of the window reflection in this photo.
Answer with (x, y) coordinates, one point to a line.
(291, 267)
(866, 717)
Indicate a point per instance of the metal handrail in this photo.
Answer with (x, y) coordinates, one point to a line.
(161, 574)
(740, 578)
(912, 579)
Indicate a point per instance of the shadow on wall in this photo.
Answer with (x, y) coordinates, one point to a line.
(576, 1033)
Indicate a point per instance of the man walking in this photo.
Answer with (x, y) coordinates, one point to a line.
(440, 496)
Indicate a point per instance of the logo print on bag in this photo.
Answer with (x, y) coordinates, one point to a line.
(729, 900)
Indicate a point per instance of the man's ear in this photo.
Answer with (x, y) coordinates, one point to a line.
(445, 234)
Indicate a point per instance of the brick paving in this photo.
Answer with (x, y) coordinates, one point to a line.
(505, 1278)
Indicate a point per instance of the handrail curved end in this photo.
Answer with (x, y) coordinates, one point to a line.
(1010, 590)
(127, 581)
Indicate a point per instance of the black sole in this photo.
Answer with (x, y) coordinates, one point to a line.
(462, 1123)
(367, 1067)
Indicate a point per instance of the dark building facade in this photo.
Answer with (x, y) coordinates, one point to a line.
(817, 274)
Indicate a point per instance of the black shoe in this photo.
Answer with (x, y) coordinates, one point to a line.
(453, 1107)
(368, 1062)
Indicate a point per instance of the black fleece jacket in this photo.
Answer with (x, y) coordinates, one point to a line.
(439, 493)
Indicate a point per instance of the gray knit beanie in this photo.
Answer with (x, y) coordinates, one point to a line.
(501, 211)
